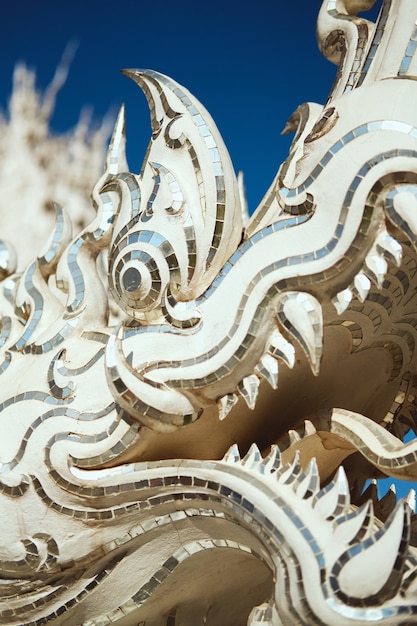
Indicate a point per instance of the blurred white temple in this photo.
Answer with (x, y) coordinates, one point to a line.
(39, 166)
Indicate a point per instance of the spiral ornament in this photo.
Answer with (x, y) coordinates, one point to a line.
(142, 265)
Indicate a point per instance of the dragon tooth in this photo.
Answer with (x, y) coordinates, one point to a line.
(280, 348)
(376, 268)
(370, 493)
(309, 428)
(308, 484)
(300, 313)
(253, 457)
(362, 285)
(390, 248)
(291, 471)
(248, 389)
(225, 404)
(268, 369)
(411, 500)
(232, 455)
(386, 504)
(342, 300)
(313, 477)
(294, 437)
(272, 461)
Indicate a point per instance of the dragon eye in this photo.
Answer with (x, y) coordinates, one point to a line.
(132, 279)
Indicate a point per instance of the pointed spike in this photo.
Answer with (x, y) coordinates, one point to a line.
(411, 500)
(226, 404)
(309, 428)
(343, 488)
(243, 198)
(280, 348)
(342, 300)
(389, 248)
(300, 313)
(116, 155)
(232, 456)
(313, 475)
(294, 437)
(377, 268)
(272, 462)
(253, 457)
(362, 285)
(309, 483)
(386, 504)
(370, 493)
(268, 369)
(290, 472)
(248, 389)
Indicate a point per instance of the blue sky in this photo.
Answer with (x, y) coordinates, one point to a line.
(250, 63)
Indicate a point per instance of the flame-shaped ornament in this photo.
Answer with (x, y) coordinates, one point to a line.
(177, 222)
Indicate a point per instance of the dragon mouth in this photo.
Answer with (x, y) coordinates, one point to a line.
(365, 339)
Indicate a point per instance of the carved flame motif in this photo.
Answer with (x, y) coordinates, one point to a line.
(148, 474)
(178, 221)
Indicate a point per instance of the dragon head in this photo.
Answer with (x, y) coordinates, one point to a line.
(288, 338)
(306, 286)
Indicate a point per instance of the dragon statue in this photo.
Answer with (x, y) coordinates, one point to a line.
(192, 401)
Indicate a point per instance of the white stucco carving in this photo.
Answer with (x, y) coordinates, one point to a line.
(203, 460)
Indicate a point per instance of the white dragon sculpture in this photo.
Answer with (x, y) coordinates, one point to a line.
(124, 499)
